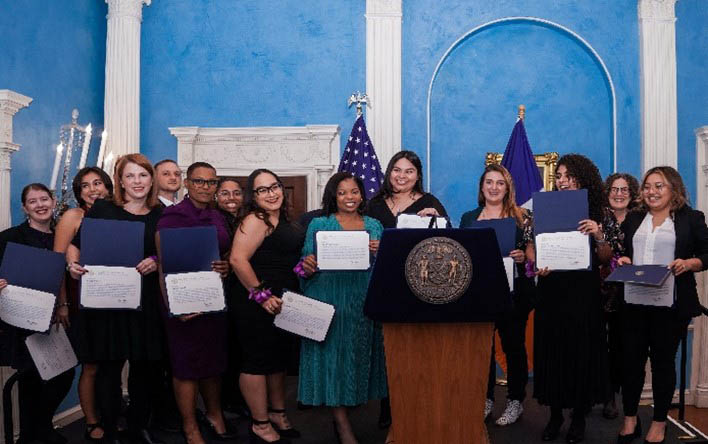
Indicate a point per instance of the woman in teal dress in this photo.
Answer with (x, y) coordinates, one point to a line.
(347, 368)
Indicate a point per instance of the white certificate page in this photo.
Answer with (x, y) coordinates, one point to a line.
(52, 353)
(304, 316)
(110, 287)
(509, 268)
(26, 308)
(415, 221)
(567, 250)
(342, 250)
(650, 295)
(195, 292)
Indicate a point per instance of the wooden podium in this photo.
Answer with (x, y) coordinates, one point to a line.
(437, 355)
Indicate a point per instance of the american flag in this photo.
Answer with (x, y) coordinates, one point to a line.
(359, 158)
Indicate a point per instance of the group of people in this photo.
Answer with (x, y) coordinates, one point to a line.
(589, 343)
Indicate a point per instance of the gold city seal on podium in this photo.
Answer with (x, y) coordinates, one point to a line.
(438, 270)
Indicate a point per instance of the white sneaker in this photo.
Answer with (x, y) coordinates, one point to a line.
(488, 406)
(511, 414)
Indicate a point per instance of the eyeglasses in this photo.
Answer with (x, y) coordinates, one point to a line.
(619, 190)
(227, 193)
(201, 182)
(659, 186)
(262, 191)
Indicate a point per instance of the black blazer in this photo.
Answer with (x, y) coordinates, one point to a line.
(691, 242)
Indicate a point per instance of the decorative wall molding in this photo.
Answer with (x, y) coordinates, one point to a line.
(699, 363)
(121, 106)
(311, 151)
(657, 47)
(10, 103)
(570, 32)
(383, 75)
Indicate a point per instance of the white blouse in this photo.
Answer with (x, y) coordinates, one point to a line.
(653, 246)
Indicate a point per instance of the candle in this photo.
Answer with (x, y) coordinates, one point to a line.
(55, 170)
(85, 148)
(101, 150)
(108, 163)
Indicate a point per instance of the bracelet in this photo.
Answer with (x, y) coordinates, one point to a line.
(69, 264)
(529, 269)
(299, 270)
(153, 257)
(260, 294)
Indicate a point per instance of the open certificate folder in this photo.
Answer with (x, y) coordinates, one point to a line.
(34, 277)
(342, 250)
(559, 245)
(52, 353)
(110, 251)
(304, 316)
(192, 286)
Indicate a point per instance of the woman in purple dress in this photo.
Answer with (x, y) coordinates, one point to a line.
(197, 364)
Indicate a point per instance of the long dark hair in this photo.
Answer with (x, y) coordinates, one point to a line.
(249, 205)
(329, 197)
(586, 176)
(76, 183)
(386, 190)
(631, 183)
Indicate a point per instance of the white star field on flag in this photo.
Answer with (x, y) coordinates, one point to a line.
(359, 158)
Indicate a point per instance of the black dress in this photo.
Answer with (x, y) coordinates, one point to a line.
(266, 348)
(111, 335)
(570, 348)
(378, 209)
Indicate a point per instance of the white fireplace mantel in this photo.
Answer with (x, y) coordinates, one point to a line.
(311, 151)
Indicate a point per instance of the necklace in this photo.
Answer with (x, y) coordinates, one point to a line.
(396, 207)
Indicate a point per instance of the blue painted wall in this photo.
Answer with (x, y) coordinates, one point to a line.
(691, 82)
(489, 74)
(55, 54)
(248, 63)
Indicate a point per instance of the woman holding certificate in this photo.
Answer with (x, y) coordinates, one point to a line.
(38, 399)
(89, 184)
(402, 192)
(197, 364)
(348, 367)
(109, 337)
(497, 199)
(664, 231)
(570, 351)
(266, 247)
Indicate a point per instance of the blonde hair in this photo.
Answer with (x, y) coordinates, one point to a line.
(119, 191)
(509, 207)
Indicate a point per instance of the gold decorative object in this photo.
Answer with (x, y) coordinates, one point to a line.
(546, 164)
(438, 270)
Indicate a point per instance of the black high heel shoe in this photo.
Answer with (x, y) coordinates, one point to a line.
(576, 431)
(228, 435)
(288, 433)
(552, 429)
(253, 437)
(90, 428)
(626, 439)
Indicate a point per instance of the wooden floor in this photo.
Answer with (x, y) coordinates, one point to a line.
(697, 417)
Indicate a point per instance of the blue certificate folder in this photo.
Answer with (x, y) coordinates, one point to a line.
(557, 211)
(116, 243)
(34, 268)
(185, 250)
(653, 275)
(505, 230)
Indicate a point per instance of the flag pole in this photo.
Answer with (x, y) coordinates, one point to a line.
(522, 112)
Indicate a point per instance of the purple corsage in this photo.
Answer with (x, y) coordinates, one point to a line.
(299, 270)
(260, 294)
(613, 262)
(529, 269)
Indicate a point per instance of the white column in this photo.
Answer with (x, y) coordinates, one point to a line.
(383, 76)
(699, 363)
(657, 42)
(121, 106)
(10, 103)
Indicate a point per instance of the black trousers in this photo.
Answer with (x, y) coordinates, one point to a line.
(512, 332)
(39, 400)
(655, 333)
(613, 323)
(143, 389)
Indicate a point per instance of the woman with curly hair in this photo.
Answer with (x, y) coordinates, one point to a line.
(570, 362)
(622, 194)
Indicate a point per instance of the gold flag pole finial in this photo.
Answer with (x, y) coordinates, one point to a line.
(522, 112)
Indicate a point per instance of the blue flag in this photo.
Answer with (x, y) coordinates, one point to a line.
(359, 158)
(518, 159)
